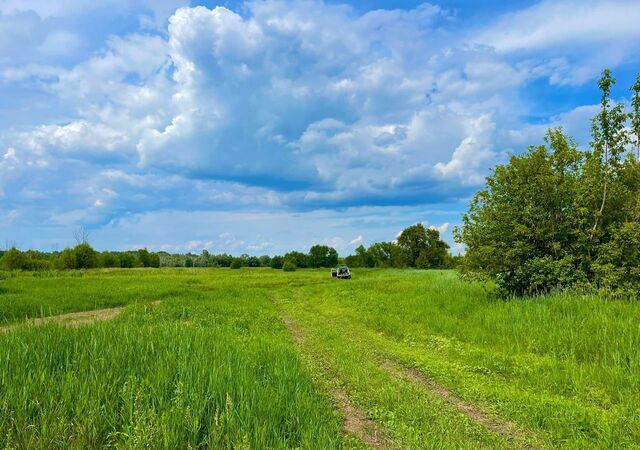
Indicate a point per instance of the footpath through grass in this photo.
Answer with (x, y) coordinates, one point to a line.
(213, 365)
(565, 370)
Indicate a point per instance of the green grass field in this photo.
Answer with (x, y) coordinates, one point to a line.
(259, 358)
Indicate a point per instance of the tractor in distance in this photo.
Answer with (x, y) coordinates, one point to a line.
(341, 272)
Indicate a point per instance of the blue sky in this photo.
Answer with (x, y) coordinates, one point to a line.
(264, 126)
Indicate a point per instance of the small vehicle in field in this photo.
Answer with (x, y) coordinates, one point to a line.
(341, 272)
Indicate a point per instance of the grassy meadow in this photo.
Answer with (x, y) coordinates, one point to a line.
(260, 358)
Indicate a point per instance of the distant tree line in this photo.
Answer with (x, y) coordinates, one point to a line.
(82, 256)
(416, 246)
(557, 216)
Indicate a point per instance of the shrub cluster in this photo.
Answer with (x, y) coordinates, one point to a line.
(558, 216)
(82, 256)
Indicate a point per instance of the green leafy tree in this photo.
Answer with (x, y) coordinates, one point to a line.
(634, 116)
(413, 240)
(297, 258)
(422, 261)
(436, 251)
(86, 256)
(617, 267)
(609, 140)
(14, 259)
(525, 213)
(127, 260)
(154, 260)
(556, 216)
(322, 256)
(382, 254)
(67, 260)
(363, 258)
(237, 263)
(265, 261)
(223, 260)
(424, 244)
(252, 261)
(144, 258)
(277, 262)
(109, 259)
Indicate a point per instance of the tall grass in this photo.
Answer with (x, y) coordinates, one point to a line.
(211, 365)
(215, 370)
(566, 367)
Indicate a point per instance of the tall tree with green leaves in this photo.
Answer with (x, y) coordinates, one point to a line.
(423, 247)
(520, 229)
(634, 116)
(556, 216)
(609, 139)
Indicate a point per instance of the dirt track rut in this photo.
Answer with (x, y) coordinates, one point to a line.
(75, 319)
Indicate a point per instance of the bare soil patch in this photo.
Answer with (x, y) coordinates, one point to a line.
(73, 320)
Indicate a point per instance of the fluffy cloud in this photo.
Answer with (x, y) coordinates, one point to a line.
(577, 38)
(282, 106)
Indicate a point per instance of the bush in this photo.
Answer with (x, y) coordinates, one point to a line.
(14, 259)
(127, 260)
(236, 263)
(299, 259)
(558, 216)
(617, 268)
(253, 261)
(109, 259)
(86, 256)
(277, 262)
(67, 260)
(422, 262)
(289, 266)
(147, 259)
(265, 261)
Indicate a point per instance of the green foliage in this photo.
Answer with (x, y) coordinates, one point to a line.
(237, 263)
(109, 259)
(14, 259)
(86, 256)
(617, 267)
(277, 262)
(551, 217)
(127, 260)
(322, 256)
(252, 261)
(147, 259)
(634, 116)
(423, 248)
(67, 260)
(299, 259)
(289, 266)
(265, 261)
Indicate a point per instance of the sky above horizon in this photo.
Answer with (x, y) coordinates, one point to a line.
(266, 126)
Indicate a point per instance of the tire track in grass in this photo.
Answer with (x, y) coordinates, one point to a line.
(356, 422)
(505, 428)
(73, 320)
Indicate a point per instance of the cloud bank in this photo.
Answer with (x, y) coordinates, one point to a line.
(276, 106)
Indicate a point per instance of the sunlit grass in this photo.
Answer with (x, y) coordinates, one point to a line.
(211, 365)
